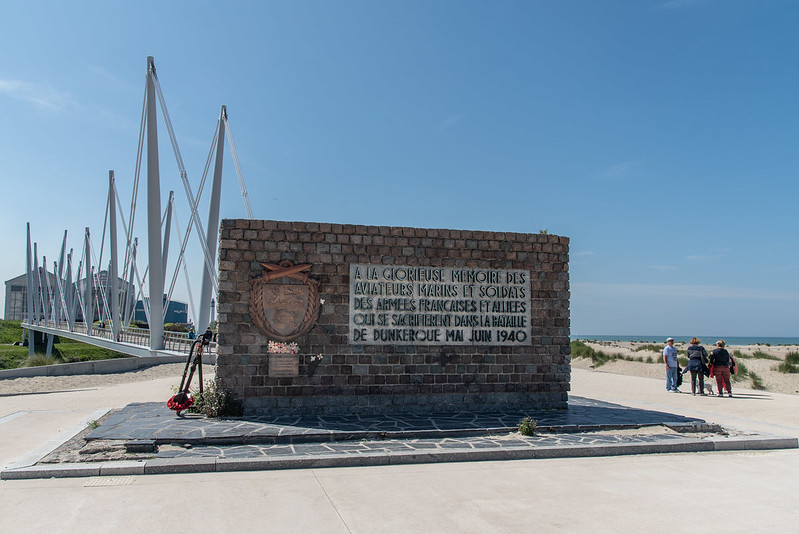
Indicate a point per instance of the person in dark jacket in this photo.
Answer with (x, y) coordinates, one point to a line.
(721, 361)
(697, 363)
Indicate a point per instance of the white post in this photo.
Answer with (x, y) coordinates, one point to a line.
(114, 274)
(88, 310)
(156, 273)
(212, 227)
(71, 290)
(130, 290)
(59, 274)
(36, 299)
(29, 279)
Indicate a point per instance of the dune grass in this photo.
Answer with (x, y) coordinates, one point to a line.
(757, 382)
(598, 357)
(649, 347)
(790, 365)
(760, 355)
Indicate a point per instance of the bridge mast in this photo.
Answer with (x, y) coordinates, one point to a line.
(156, 273)
(213, 226)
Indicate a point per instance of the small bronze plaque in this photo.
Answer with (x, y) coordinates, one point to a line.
(284, 365)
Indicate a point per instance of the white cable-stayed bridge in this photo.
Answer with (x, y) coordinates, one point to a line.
(93, 298)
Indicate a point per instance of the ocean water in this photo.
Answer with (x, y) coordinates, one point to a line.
(706, 340)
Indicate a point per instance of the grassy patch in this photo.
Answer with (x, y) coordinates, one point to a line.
(38, 360)
(11, 356)
(760, 355)
(64, 350)
(757, 382)
(10, 332)
(649, 347)
(742, 374)
(580, 349)
(791, 363)
(598, 357)
(82, 352)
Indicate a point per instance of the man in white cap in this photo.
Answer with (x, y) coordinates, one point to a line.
(672, 366)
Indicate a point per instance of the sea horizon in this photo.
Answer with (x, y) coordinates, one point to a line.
(706, 340)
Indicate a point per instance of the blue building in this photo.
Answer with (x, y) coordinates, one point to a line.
(176, 312)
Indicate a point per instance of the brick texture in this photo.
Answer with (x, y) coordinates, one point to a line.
(371, 379)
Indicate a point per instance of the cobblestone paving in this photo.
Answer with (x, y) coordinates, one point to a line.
(148, 438)
(426, 445)
(153, 421)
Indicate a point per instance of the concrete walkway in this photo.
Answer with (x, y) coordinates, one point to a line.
(599, 494)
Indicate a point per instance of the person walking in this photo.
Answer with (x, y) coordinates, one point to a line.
(697, 363)
(672, 366)
(721, 361)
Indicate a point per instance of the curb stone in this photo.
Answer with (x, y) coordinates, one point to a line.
(375, 458)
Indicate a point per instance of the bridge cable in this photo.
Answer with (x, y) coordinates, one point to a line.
(243, 188)
(184, 176)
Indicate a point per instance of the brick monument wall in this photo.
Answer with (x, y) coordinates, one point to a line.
(412, 319)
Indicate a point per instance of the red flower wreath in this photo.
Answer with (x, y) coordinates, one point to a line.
(180, 402)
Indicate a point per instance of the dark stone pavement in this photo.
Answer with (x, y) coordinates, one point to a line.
(157, 441)
(154, 421)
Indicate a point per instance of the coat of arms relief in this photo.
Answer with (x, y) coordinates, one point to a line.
(284, 301)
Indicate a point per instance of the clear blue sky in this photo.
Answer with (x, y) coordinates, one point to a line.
(659, 135)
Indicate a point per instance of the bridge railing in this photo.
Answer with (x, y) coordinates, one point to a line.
(173, 341)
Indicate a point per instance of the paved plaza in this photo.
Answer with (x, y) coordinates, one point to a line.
(593, 468)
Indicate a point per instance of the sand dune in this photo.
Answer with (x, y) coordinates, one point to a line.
(772, 379)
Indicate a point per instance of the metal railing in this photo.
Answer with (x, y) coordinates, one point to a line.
(173, 341)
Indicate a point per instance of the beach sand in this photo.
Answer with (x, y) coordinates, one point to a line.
(772, 379)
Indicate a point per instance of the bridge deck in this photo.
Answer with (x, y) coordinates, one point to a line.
(132, 341)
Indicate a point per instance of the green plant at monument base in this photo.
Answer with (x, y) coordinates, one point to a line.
(527, 426)
(216, 402)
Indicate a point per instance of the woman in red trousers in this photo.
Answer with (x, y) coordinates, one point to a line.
(721, 361)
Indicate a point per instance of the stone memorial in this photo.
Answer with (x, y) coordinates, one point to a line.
(321, 318)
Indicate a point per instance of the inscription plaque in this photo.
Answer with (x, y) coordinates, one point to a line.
(403, 305)
(284, 365)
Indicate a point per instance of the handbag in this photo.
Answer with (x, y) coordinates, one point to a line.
(679, 376)
(733, 366)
